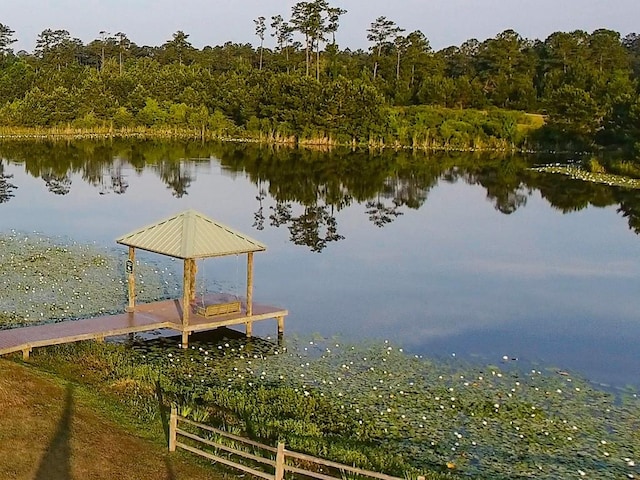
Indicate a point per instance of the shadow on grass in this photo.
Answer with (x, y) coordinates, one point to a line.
(171, 474)
(56, 462)
(165, 426)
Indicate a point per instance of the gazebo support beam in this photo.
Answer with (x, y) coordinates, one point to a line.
(192, 281)
(249, 284)
(280, 326)
(249, 325)
(186, 301)
(131, 281)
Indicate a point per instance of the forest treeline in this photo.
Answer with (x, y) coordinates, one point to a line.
(580, 90)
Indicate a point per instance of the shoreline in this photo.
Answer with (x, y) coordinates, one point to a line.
(323, 143)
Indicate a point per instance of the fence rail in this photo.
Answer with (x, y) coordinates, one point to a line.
(279, 465)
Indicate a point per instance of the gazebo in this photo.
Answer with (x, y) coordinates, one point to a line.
(189, 236)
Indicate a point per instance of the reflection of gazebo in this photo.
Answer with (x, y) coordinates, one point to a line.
(189, 236)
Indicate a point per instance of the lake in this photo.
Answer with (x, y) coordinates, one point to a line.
(445, 254)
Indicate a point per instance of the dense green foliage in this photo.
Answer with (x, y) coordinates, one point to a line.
(585, 84)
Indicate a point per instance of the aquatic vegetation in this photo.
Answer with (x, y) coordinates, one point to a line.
(596, 176)
(495, 421)
(378, 407)
(46, 279)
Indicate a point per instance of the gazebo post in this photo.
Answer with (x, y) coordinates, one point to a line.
(186, 301)
(249, 324)
(131, 280)
(192, 281)
(249, 284)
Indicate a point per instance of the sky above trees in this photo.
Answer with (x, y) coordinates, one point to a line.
(214, 22)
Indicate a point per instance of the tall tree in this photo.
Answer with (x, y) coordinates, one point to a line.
(57, 48)
(382, 32)
(401, 44)
(319, 10)
(333, 23)
(632, 43)
(261, 28)
(309, 19)
(6, 39)
(607, 51)
(300, 21)
(103, 42)
(418, 54)
(507, 66)
(461, 61)
(283, 34)
(123, 46)
(178, 48)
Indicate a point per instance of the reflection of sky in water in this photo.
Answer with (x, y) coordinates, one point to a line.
(454, 276)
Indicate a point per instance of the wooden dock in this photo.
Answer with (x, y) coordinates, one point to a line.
(165, 314)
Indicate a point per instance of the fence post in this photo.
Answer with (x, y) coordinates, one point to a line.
(280, 462)
(173, 425)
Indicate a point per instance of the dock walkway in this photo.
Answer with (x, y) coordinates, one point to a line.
(165, 314)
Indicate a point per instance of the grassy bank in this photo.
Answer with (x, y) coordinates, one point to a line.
(54, 429)
(423, 128)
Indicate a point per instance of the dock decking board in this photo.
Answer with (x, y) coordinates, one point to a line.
(164, 314)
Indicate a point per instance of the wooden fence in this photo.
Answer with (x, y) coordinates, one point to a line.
(262, 454)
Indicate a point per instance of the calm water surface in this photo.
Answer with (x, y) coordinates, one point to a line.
(434, 253)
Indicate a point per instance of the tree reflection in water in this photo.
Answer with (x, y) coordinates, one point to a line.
(57, 184)
(304, 190)
(6, 188)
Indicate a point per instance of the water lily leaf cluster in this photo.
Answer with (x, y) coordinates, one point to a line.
(487, 421)
(46, 279)
(578, 173)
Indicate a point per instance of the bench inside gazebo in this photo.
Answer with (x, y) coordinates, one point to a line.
(190, 236)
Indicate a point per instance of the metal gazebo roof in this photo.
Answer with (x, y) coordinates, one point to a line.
(190, 234)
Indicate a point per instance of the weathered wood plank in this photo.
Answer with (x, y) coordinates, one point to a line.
(220, 446)
(280, 462)
(281, 455)
(224, 461)
(340, 466)
(228, 435)
(308, 473)
(173, 427)
(151, 316)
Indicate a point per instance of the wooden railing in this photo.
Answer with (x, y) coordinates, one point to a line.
(279, 466)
